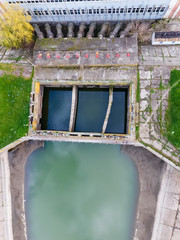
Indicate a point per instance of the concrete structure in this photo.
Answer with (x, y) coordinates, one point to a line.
(73, 108)
(59, 30)
(88, 11)
(78, 52)
(81, 30)
(167, 218)
(159, 182)
(116, 30)
(5, 199)
(108, 109)
(103, 64)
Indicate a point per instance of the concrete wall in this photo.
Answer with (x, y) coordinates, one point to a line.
(38, 102)
(123, 76)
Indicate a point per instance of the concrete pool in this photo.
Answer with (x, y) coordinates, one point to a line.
(92, 109)
(77, 191)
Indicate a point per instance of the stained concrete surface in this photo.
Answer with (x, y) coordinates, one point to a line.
(17, 160)
(86, 52)
(167, 219)
(150, 170)
(154, 93)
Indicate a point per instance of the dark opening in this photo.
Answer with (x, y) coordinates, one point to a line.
(118, 115)
(92, 106)
(91, 109)
(56, 109)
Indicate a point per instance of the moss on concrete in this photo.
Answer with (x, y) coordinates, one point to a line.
(138, 88)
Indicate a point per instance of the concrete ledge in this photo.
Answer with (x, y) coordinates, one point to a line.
(82, 44)
(82, 137)
(5, 198)
(114, 74)
(73, 52)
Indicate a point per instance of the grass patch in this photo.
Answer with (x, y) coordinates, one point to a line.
(151, 68)
(161, 87)
(173, 111)
(137, 131)
(14, 108)
(7, 67)
(138, 88)
(16, 59)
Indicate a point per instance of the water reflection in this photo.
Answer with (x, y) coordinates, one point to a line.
(117, 117)
(57, 108)
(77, 191)
(91, 111)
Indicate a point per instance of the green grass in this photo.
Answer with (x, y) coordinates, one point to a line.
(138, 88)
(161, 87)
(7, 67)
(17, 58)
(14, 108)
(173, 112)
(137, 131)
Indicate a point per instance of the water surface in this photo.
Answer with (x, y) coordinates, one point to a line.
(91, 110)
(56, 108)
(78, 191)
(117, 118)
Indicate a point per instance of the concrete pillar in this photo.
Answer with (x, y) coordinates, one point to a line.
(70, 30)
(38, 31)
(59, 30)
(108, 109)
(104, 28)
(48, 30)
(90, 33)
(116, 30)
(81, 30)
(73, 108)
(128, 28)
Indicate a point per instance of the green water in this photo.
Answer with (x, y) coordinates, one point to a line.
(78, 191)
